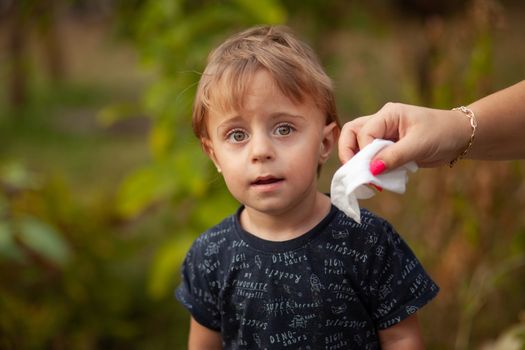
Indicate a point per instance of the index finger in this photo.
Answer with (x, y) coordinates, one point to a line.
(348, 144)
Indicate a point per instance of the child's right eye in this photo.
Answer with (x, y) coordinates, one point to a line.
(236, 136)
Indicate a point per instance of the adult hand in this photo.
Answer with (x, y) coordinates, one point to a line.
(430, 137)
(433, 137)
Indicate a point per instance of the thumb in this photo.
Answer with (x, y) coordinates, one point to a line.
(397, 154)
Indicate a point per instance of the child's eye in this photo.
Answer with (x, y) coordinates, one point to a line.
(284, 130)
(236, 136)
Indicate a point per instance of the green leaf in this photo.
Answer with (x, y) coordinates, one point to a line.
(43, 239)
(16, 175)
(213, 208)
(112, 114)
(182, 174)
(264, 11)
(8, 247)
(166, 265)
(142, 188)
(4, 205)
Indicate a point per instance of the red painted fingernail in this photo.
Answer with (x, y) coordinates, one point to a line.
(377, 166)
(379, 188)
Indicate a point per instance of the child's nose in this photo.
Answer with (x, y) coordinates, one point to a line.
(262, 148)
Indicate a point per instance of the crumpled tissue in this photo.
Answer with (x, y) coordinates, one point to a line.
(350, 181)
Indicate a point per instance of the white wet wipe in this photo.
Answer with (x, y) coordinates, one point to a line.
(350, 181)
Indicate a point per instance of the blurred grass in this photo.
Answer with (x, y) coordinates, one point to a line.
(57, 133)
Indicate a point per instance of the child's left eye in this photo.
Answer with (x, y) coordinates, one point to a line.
(284, 130)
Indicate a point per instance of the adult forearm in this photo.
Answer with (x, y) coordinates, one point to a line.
(501, 125)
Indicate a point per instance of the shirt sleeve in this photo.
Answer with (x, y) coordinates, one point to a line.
(398, 284)
(197, 292)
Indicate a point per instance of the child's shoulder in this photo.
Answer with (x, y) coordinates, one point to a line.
(211, 241)
(369, 221)
(219, 231)
(372, 229)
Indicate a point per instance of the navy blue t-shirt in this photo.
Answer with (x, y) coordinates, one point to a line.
(332, 288)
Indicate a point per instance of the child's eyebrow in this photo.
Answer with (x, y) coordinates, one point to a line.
(278, 115)
(228, 122)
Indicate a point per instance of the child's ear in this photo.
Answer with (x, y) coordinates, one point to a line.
(207, 146)
(330, 137)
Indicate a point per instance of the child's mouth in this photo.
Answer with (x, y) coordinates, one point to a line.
(266, 180)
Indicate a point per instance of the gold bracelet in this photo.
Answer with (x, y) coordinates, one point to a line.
(473, 124)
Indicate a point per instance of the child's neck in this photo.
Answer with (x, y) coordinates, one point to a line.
(289, 225)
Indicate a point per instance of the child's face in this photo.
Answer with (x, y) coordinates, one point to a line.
(269, 151)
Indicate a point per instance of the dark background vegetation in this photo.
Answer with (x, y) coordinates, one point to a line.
(103, 186)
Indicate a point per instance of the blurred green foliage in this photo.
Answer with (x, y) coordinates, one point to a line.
(23, 235)
(94, 226)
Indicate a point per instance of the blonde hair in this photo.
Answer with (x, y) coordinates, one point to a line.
(291, 63)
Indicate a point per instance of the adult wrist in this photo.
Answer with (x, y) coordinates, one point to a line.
(468, 113)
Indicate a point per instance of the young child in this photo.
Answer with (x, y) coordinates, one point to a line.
(288, 270)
